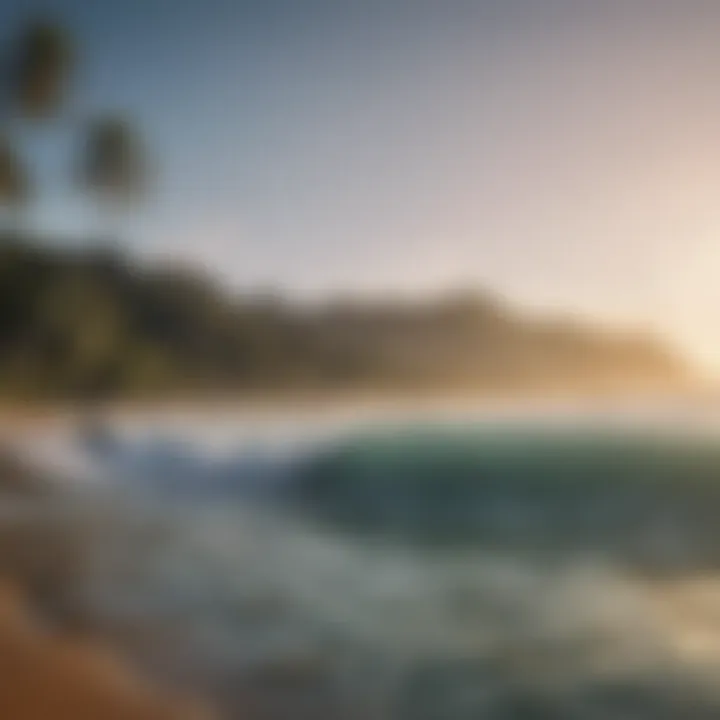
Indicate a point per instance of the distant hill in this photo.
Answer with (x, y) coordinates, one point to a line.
(78, 324)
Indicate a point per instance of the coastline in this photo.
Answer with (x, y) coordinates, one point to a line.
(56, 660)
(154, 645)
(281, 402)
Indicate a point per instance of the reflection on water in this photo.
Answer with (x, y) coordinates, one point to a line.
(426, 571)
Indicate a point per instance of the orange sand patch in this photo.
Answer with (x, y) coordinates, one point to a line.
(48, 677)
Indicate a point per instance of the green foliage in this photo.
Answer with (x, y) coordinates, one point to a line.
(35, 80)
(95, 325)
(79, 325)
(42, 61)
(113, 162)
(14, 183)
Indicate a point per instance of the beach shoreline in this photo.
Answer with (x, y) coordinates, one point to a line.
(270, 404)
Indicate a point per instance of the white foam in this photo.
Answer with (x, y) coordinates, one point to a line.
(249, 583)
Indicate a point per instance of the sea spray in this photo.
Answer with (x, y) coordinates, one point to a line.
(538, 609)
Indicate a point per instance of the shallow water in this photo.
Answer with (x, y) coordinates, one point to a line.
(516, 565)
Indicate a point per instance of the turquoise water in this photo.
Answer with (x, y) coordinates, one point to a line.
(644, 498)
(443, 571)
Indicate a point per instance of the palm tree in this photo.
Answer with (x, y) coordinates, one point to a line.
(33, 88)
(14, 185)
(40, 68)
(113, 167)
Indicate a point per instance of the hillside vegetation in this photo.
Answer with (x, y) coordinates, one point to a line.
(91, 324)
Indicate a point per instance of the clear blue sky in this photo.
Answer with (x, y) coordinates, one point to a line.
(565, 153)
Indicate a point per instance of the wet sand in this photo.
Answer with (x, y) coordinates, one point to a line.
(48, 674)
(51, 666)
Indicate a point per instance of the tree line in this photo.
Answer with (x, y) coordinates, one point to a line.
(96, 324)
(36, 83)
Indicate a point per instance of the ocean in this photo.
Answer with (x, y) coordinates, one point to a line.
(553, 560)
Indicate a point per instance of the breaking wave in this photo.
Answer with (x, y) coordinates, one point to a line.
(435, 570)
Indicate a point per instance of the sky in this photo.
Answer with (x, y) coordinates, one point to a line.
(562, 153)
